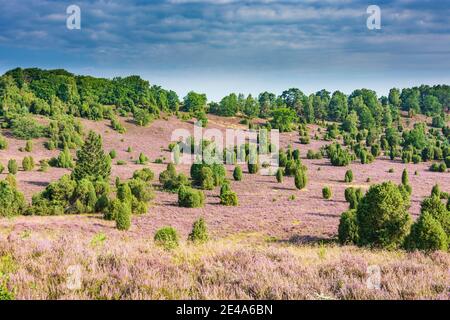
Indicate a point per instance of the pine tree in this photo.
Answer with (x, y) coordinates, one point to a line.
(92, 162)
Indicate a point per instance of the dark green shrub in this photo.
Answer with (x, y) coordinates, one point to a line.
(167, 237)
(327, 193)
(170, 180)
(141, 190)
(64, 160)
(438, 211)
(12, 166)
(190, 198)
(348, 228)
(199, 233)
(442, 167)
(296, 154)
(84, 197)
(237, 173)
(382, 217)
(427, 234)
(92, 162)
(436, 191)
(2, 168)
(207, 178)
(26, 128)
(348, 176)
(142, 159)
(300, 179)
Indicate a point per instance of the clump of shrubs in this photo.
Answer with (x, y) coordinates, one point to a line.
(12, 201)
(64, 160)
(170, 180)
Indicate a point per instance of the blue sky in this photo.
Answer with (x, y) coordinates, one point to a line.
(223, 46)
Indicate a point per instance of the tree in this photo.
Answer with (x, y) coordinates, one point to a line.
(394, 97)
(123, 215)
(12, 202)
(12, 166)
(283, 118)
(338, 107)
(28, 163)
(228, 106)
(167, 237)
(427, 234)
(300, 179)
(382, 217)
(348, 228)
(92, 162)
(195, 102)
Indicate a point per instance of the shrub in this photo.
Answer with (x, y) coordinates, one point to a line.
(26, 128)
(436, 191)
(348, 176)
(434, 206)
(2, 168)
(167, 237)
(353, 196)
(279, 175)
(121, 162)
(382, 217)
(327, 193)
(122, 215)
(338, 156)
(190, 198)
(348, 228)
(64, 160)
(207, 179)
(427, 234)
(237, 173)
(142, 159)
(85, 197)
(442, 167)
(3, 143)
(145, 174)
(12, 202)
(170, 180)
(229, 198)
(28, 163)
(12, 166)
(117, 126)
(199, 233)
(113, 154)
(300, 179)
(29, 146)
(92, 162)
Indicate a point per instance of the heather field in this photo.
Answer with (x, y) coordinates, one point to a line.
(278, 243)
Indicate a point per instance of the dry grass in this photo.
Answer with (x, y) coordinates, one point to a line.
(241, 267)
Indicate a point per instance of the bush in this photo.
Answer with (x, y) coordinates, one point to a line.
(199, 233)
(207, 179)
(434, 206)
(142, 159)
(26, 128)
(64, 160)
(436, 191)
(12, 166)
(113, 154)
(122, 215)
(190, 198)
(167, 237)
(170, 180)
(348, 228)
(3, 143)
(28, 163)
(237, 173)
(229, 198)
(2, 168)
(442, 167)
(353, 196)
(300, 179)
(29, 146)
(145, 174)
(348, 176)
(279, 175)
(12, 202)
(427, 234)
(84, 197)
(382, 217)
(327, 193)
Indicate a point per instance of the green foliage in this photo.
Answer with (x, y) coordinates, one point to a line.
(170, 180)
(26, 128)
(64, 160)
(92, 162)
(434, 206)
(142, 117)
(2, 168)
(282, 119)
(143, 159)
(382, 217)
(237, 173)
(338, 156)
(300, 179)
(353, 196)
(28, 163)
(145, 174)
(348, 176)
(167, 237)
(12, 201)
(206, 178)
(199, 233)
(427, 234)
(12, 166)
(279, 175)
(348, 228)
(327, 193)
(190, 198)
(29, 146)
(65, 132)
(228, 198)
(3, 143)
(436, 191)
(113, 154)
(116, 125)
(122, 214)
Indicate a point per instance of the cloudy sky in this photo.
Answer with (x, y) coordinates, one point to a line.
(223, 46)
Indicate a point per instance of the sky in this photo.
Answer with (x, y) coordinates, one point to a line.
(222, 46)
